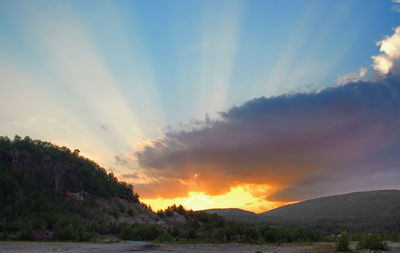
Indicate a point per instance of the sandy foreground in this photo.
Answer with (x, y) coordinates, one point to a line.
(67, 247)
(50, 247)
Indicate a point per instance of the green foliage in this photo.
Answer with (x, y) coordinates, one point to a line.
(372, 242)
(68, 232)
(165, 237)
(142, 232)
(113, 211)
(82, 174)
(343, 243)
(127, 233)
(26, 234)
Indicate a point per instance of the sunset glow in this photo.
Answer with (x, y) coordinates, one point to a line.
(238, 197)
(210, 104)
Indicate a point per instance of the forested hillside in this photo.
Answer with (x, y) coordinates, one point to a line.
(44, 187)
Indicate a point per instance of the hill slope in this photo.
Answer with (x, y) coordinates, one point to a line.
(359, 211)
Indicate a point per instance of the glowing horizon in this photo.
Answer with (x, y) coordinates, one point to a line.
(238, 197)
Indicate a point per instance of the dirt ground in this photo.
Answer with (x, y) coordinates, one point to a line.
(66, 247)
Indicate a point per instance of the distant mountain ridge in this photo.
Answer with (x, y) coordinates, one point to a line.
(372, 211)
(234, 214)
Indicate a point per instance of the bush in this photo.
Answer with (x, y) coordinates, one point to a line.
(140, 232)
(127, 233)
(147, 231)
(343, 243)
(26, 235)
(86, 236)
(66, 233)
(165, 237)
(4, 236)
(113, 211)
(372, 242)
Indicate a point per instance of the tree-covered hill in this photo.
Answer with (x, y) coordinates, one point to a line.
(61, 169)
(44, 187)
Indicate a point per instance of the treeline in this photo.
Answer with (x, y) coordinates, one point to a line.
(202, 226)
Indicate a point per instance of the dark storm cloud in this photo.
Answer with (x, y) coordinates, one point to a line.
(294, 143)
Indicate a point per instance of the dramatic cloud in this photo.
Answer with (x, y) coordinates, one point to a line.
(389, 59)
(290, 147)
(339, 137)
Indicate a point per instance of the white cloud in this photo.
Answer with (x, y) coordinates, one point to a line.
(389, 59)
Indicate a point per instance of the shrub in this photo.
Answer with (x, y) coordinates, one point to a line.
(68, 232)
(113, 211)
(26, 235)
(372, 242)
(165, 237)
(147, 231)
(127, 233)
(4, 236)
(343, 243)
(191, 234)
(140, 232)
(120, 207)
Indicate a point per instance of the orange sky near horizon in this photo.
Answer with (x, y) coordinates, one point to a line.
(238, 197)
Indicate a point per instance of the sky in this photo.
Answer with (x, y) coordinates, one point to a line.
(211, 104)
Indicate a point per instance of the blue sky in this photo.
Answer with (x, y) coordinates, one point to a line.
(104, 76)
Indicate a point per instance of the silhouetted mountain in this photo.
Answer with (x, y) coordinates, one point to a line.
(359, 211)
(234, 214)
(372, 211)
